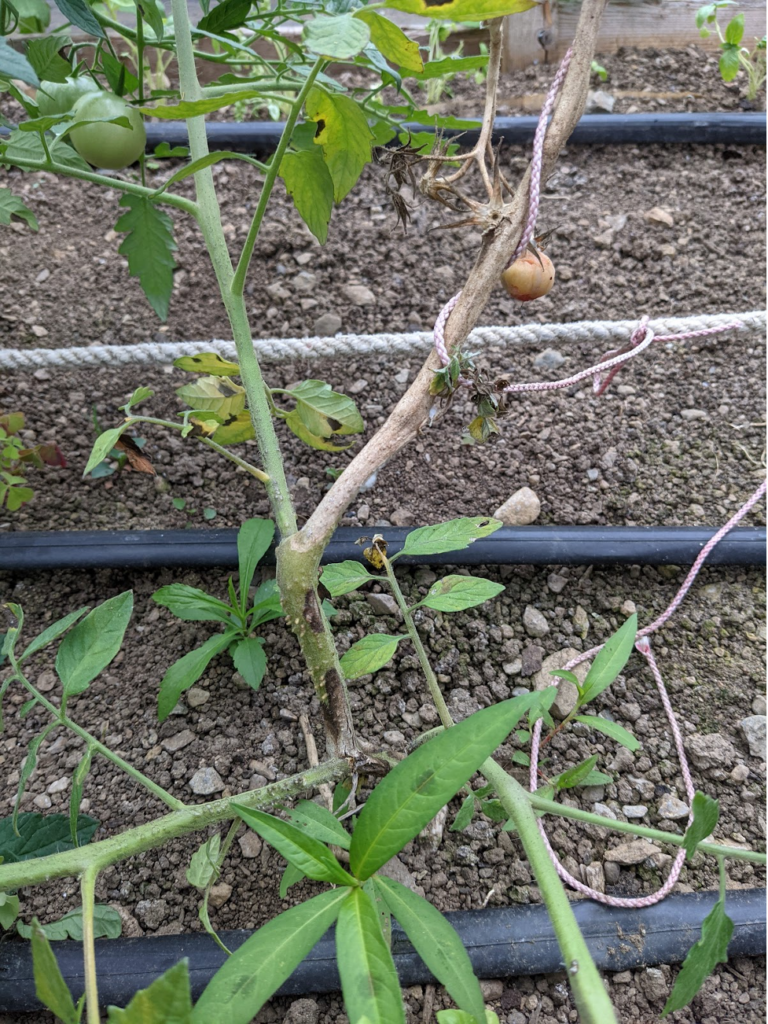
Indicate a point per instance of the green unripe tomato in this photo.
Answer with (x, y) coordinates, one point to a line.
(60, 97)
(108, 145)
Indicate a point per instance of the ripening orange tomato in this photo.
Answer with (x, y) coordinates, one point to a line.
(528, 278)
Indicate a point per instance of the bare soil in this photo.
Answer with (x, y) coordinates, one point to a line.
(678, 439)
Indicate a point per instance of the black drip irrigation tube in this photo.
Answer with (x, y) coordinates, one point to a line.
(501, 943)
(741, 129)
(29, 551)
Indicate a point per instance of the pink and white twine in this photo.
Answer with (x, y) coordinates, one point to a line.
(610, 365)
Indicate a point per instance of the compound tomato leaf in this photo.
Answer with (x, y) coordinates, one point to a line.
(256, 970)
(149, 246)
(309, 184)
(167, 1000)
(295, 423)
(225, 16)
(41, 834)
(43, 55)
(53, 632)
(343, 134)
(214, 394)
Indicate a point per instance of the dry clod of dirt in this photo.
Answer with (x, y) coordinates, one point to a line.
(521, 509)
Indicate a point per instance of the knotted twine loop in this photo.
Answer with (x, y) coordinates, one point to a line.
(642, 645)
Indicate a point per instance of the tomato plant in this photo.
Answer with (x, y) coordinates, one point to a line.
(108, 145)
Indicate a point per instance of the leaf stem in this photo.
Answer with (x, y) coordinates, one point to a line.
(87, 892)
(238, 281)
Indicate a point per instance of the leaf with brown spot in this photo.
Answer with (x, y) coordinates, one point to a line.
(136, 458)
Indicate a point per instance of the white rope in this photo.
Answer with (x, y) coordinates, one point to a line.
(278, 350)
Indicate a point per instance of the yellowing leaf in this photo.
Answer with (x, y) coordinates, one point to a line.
(309, 183)
(294, 421)
(391, 41)
(344, 135)
(463, 10)
(235, 430)
(208, 362)
(214, 394)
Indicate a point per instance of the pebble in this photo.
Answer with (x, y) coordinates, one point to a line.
(519, 510)
(401, 377)
(622, 978)
(303, 1011)
(711, 750)
(304, 281)
(644, 787)
(694, 414)
(492, 988)
(612, 873)
(758, 706)
(197, 696)
(38, 331)
(634, 852)
(753, 728)
(359, 295)
(383, 604)
(593, 474)
(59, 785)
(659, 216)
(205, 782)
(549, 359)
(628, 608)
(580, 621)
(42, 276)
(599, 102)
(250, 845)
(520, 691)
(512, 668)
(42, 801)
(673, 809)
(394, 738)
(46, 681)
(327, 325)
(358, 386)
(402, 517)
(152, 913)
(535, 623)
(531, 660)
(219, 894)
(653, 985)
(594, 876)
(555, 582)
(567, 694)
(604, 811)
(740, 774)
(634, 810)
(179, 741)
(604, 240)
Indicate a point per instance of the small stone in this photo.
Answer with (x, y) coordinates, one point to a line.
(531, 659)
(555, 582)
(42, 276)
(359, 295)
(644, 787)
(673, 809)
(758, 706)
(303, 1011)
(401, 377)
(628, 608)
(604, 240)
(197, 697)
(599, 102)
(653, 985)
(567, 694)
(46, 681)
(634, 810)
(535, 623)
(612, 873)
(513, 668)
(257, 782)
(694, 414)
(394, 738)
(515, 1017)
(219, 894)
(277, 292)
(304, 281)
(604, 811)
(549, 359)
(327, 325)
(363, 512)
(131, 927)
(303, 258)
(634, 852)
(205, 782)
(623, 759)
(38, 331)
(519, 510)
(659, 216)
(593, 474)
(59, 785)
(622, 978)
(740, 774)
(402, 517)
(594, 876)
(42, 801)
(444, 274)
(491, 988)
(179, 741)
(357, 387)
(668, 250)
(580, 621)
(383, 604)
(754, 733)
(152, 913)
(250, 845)
(398, 872)
(711, 750)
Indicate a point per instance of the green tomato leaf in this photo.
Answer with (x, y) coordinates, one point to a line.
(139, 395)
(610, 729)
(369, 654)
(609, 661)
(703, 957)
(706, 811)
(166, 1001)
(120, 79)
(209, 363)
(415, 790)
(344, 577)
(341, 36)
(186, 671)
(450, 66)
(53, 632)
(319, 823)
(297, 846)
(15, 65)
(9, 909)
(148, 247)
(107, 924)
(80, 14)
(102, 446)
(391, 41)
(78, 783)
(250, 661)
(185, 172)
(456, 593)
(343, 134)
(12, 206)
(464, 817)
(43, 55)
(253, 540)
(186, 109)
(40, 835)
(203, 866)
(437, 944)
(729, 62)
(225, 16)
(50, 987)
(368, 975)
(34, 16)
(28, 146)
(294, 421)
(325, 411)
(214, 394)
(256, 970)
(309, 184)
(192, 605)
(463, 10)
(455, 535)
(93, 643)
